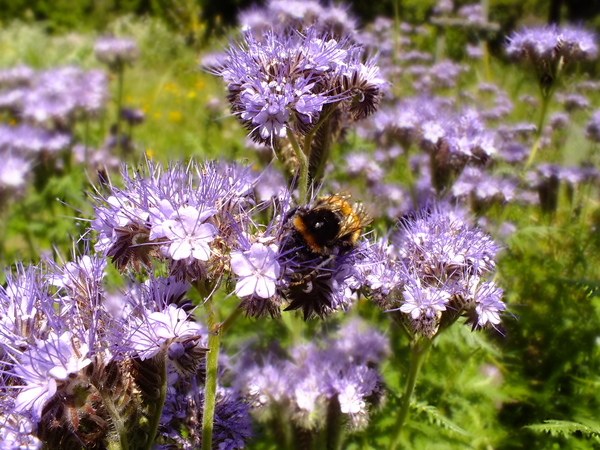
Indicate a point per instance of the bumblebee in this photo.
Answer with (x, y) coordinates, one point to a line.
(316, 240)
(330, 226)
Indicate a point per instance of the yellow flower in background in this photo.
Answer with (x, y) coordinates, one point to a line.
(175, 116)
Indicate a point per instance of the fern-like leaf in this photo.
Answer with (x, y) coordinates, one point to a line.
(435, 416)
(565, 428)
(590, 287)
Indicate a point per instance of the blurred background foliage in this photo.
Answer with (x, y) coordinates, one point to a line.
(216, 16)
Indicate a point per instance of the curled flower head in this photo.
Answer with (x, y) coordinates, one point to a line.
(438, 273)
(548, 43)
(189, 215)
(283, 82)
(342, 374)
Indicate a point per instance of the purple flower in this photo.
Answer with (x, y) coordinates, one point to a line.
(278, 15)
(257, 269)
(423, 302)
(342, 371)
(592, 129)
(28, 140)
(380, 271)
(574, 102)
(484, 189)
(183, 412)
(177, 213)
(115, 52)
(62, 349)
(549, 43)
(13, 172)
(442, 260)
(188, 234)
(155, 330)
(44, 365)
(16, 76)
(26, 309)
(473, 14)
(58, 96)
(16, 432)
(443, 7)
(489, 304)
(281, 82)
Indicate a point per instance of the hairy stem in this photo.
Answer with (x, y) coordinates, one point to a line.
(154, 421)
(119, 103)
(210, 384)
(419, 348)
(540, 126)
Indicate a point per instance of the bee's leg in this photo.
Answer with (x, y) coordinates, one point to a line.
(314, 273)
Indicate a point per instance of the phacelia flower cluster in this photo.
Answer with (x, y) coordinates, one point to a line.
(202, 222)
(343, 374)
(116, 52)
(332, 20)
(292, 81)
(187, 215)
(550, 43)
(82, 366)
(435, 272)
(592, 129)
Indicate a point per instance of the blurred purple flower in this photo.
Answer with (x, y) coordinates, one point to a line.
(116, 52)
(592, 129)
(548, 43)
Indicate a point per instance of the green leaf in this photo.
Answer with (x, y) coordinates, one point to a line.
(435, 416)
(591, 288)
(566, 428)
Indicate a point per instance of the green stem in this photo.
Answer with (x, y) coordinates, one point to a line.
(155, 418)
(540, 127)
(280, 426)
(303, 170)
(419, 348)
(210, 384)
(121, 442)
(334, 425)
(120, 76)
(226, 324)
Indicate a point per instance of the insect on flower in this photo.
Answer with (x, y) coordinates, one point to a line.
(315, 247)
